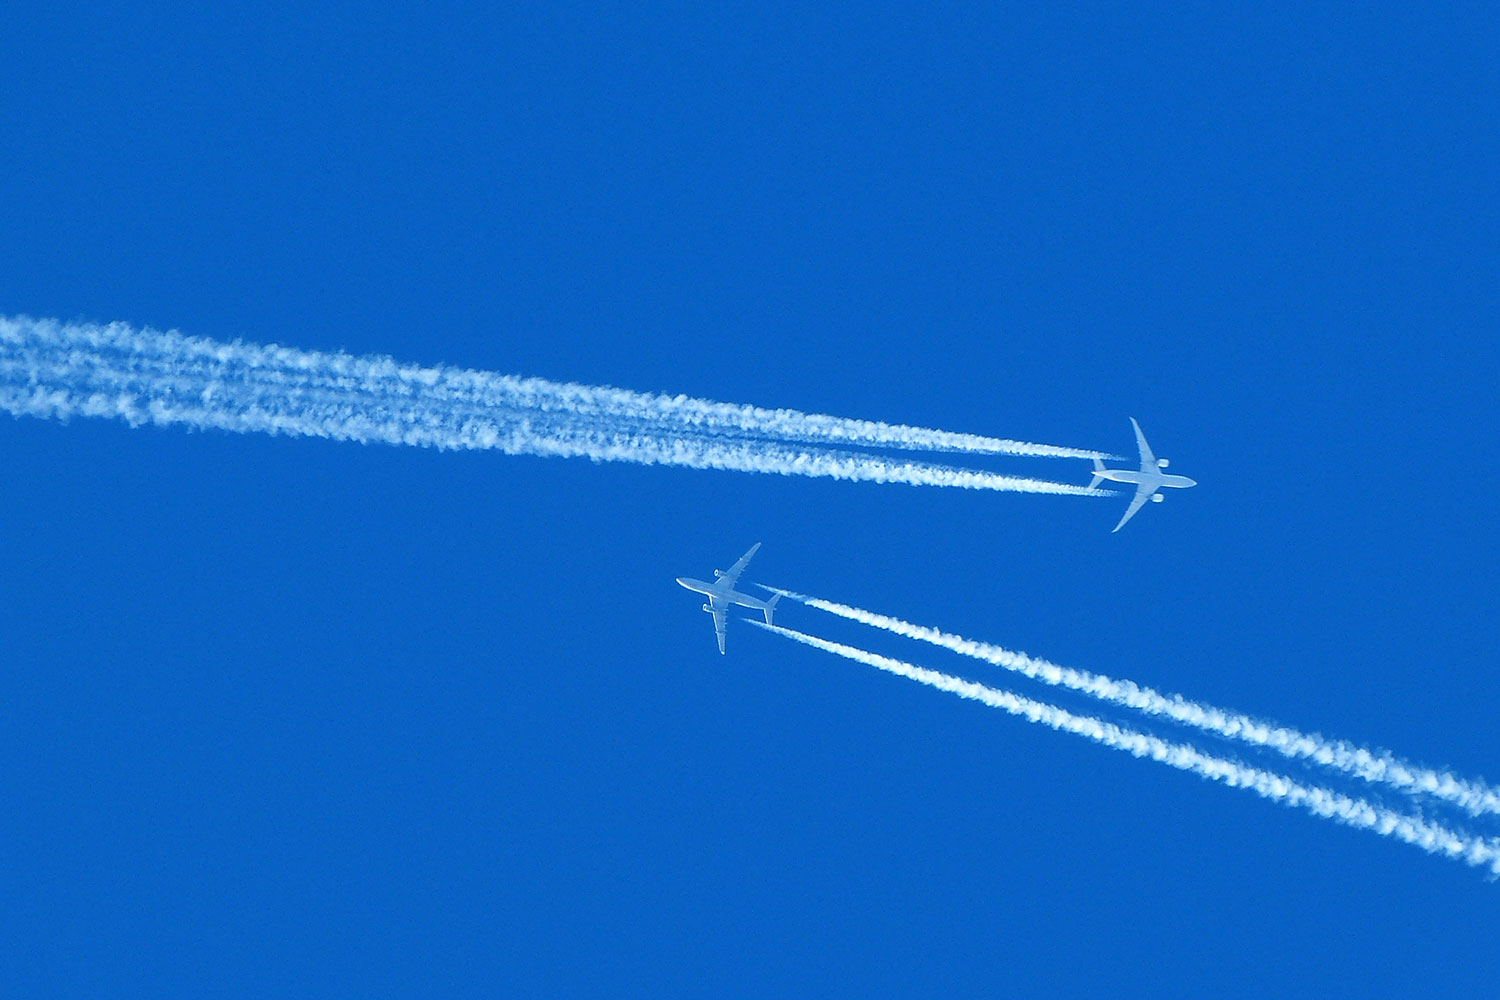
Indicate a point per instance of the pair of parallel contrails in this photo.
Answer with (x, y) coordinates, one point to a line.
(62, 370)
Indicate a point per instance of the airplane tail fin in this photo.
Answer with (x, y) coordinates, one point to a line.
(771, 606)
(1098, 468)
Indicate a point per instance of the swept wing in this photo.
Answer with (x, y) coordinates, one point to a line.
(717, 610)
(1148, 460)
(1142, 494)
(729, 576)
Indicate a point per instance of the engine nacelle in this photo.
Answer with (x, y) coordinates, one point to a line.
(718, 574)
(1157, 498)
(1162, 463)
(709, 608)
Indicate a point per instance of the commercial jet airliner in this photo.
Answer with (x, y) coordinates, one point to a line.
(722, 595)
(1147, 482)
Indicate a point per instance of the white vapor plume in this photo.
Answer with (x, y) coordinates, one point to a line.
(489, 391)
(51, 369)
(1430, 837)
(1375, 766)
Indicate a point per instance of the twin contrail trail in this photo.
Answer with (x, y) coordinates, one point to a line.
(62, 370)
(1431, 837)
(1375, 766)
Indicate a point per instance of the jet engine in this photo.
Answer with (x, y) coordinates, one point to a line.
(1157, 498)
(1162, 463)
(709, 608)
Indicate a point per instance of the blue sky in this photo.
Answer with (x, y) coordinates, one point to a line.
(301, 717)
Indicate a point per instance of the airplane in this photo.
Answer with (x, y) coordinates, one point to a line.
(1147, 482)
(722, 595)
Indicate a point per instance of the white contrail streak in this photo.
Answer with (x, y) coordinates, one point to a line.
(488, 390)
(1375, 766)
(1358, 813)
(49, 369)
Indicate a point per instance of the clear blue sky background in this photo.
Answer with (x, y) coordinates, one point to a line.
(293, 718)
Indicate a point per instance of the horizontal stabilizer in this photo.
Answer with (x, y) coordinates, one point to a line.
(771, 606)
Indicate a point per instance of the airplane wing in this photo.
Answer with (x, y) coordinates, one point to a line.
(1148, 460)
(729, 576)
(1142, 493)
(720, 626)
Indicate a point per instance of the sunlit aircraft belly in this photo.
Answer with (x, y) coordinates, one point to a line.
(1130, 476)
(721, 596)
(745, 600)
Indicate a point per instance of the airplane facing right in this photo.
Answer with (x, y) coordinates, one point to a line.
(1148, 481)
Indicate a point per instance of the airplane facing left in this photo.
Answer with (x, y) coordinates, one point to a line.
(722, 596)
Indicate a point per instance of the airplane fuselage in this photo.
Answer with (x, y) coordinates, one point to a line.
(719, 594)
(1146, 478)
(722, 596)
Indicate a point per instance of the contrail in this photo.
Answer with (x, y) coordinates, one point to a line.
(1375, 766)
(488, 390)
(50, 369)
(1358, 813)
